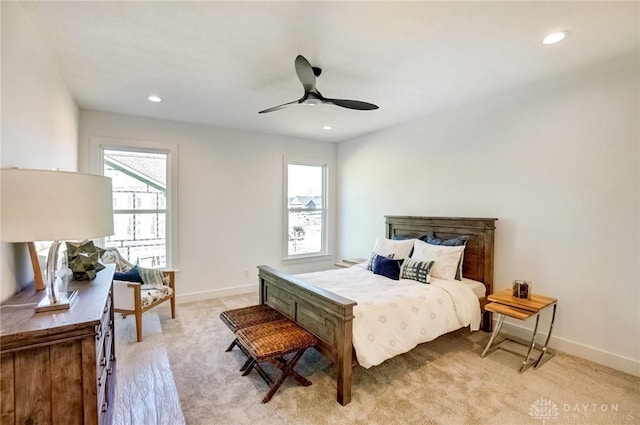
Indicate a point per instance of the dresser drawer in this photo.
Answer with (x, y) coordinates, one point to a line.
(106, 385)
(105, 358)
(104, 338)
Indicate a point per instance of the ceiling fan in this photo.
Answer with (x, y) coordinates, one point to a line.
(307, 75)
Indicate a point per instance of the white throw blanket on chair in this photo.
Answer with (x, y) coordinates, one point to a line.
(150, 277)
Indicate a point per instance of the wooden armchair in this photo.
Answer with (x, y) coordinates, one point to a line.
(136, 298)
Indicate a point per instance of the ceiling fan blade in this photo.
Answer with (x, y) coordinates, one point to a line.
(275, 108)
(352, 104)
(305, 74)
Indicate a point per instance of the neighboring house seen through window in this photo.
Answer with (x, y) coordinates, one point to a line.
(139, 181)
(306, 218)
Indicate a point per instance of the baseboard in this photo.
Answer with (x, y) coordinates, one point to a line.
(216, 293)
(612, 360)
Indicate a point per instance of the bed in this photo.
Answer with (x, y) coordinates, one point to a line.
(329, 316)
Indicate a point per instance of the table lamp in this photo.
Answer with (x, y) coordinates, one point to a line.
(42, 205)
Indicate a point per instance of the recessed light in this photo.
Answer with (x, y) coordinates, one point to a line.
(155, 99)
(327, 127)
(555, 37)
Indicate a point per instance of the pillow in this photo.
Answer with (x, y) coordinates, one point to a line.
(416, 270)
(446, 258)
(396, 249)
(133, 275)
(387, 267)
(373, 258)
(459, 241)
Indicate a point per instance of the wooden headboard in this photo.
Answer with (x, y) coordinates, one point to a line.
(478, 254)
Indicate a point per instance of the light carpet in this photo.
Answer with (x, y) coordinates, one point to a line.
(441, 382)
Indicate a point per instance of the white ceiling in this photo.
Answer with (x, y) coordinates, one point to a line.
(219, 63)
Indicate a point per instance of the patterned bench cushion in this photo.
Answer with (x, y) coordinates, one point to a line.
(149, 294)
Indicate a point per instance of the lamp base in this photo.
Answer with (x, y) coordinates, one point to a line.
(65, 299)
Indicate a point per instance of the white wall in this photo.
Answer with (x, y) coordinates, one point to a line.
(230, 198)
(557, 163)
(39, 121)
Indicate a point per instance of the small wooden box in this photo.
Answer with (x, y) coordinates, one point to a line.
(522, 289)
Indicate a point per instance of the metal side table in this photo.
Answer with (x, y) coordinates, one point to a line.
(504, 304)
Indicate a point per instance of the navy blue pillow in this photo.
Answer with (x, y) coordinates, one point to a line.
(387, 267)
(459, 241)
(132, 275)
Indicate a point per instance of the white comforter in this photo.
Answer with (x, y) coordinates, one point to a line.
(393, 316)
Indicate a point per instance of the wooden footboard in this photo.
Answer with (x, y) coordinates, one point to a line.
(326, 315)
(330, 317)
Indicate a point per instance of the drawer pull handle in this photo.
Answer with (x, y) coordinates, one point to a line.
(105, 406)
(103, 361)
(109, 371)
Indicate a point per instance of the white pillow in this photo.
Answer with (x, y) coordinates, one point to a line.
(399, 248)
(445, 258)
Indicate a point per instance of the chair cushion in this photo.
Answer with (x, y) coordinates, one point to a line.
(150, 294)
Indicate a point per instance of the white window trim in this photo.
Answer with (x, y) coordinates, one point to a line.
(97, 146)
(325, 253)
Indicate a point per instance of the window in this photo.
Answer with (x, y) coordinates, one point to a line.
(142, 213)
(306, 208)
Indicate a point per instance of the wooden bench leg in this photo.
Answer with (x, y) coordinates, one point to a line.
(233, 344)
(295, 375)
(286, 371)
(246, 364)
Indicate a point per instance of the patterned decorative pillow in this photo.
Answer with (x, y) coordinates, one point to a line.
(446, 258)
(373, 258)
(416, 270)
(387, 267)
(459, 241)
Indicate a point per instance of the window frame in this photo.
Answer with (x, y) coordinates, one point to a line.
(327, 168)
(97, 147)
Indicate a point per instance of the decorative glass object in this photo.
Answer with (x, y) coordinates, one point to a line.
(522, 289)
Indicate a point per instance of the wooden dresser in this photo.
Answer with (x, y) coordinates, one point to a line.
(58, 367)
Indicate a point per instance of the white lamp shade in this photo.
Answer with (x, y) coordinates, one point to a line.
(42, 205)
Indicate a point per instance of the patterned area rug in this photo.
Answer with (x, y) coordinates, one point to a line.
(442, 382)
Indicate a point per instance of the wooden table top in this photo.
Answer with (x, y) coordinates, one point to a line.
(21, 323)
(534, 305)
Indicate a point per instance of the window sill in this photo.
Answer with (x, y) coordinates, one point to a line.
(307, 258)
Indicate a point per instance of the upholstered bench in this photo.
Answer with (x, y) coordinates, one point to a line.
(272, 341)
(244, 317)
